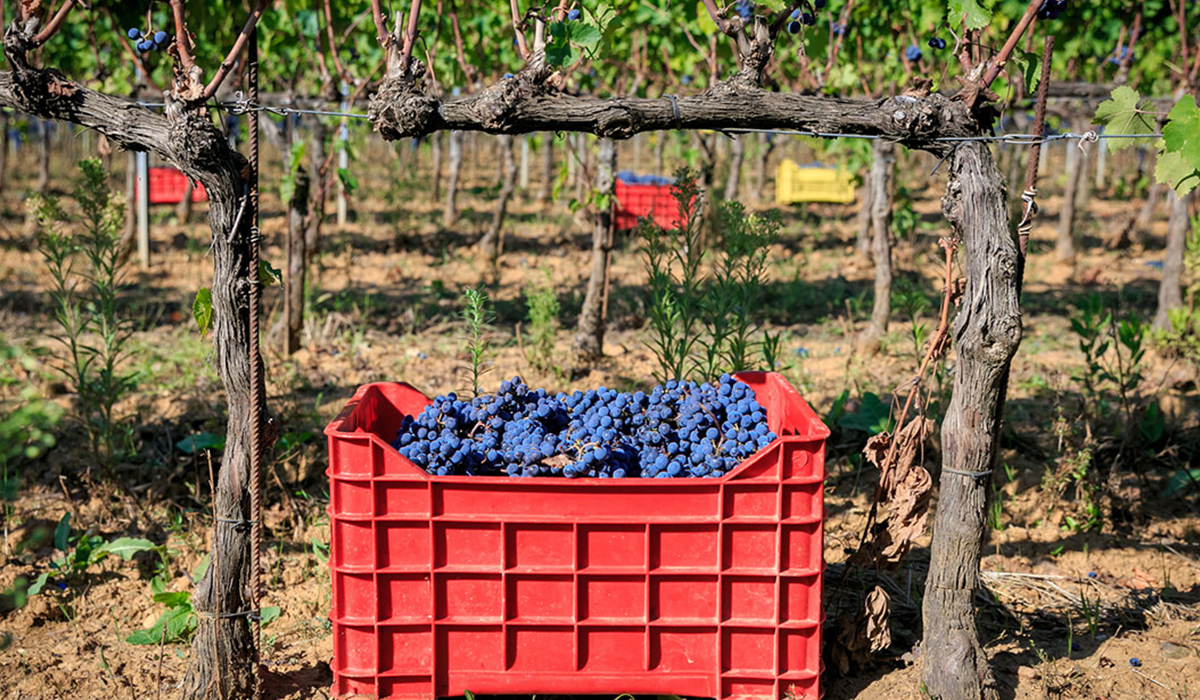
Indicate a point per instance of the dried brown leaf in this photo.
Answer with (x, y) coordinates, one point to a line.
(902, 497)
(863, 635)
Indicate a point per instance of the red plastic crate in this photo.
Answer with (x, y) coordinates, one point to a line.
(167, 186)
(695, 587)
(636, 201)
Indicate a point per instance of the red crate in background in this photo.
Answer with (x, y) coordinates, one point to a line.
(167, 186)
(706, 587)
(637, 200)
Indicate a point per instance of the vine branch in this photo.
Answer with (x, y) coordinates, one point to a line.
(227, 64)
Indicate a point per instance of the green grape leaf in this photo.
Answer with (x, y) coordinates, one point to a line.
(1173, 170)
(707, 25)
(200, 441)
(976, 17)
(349, 182)
(269, 614)
(585, 35)
(126, 547)
(173, 599)
(559, 52)
(1031, 68)
(307, 23)
(145, 637)
(268, 274)
(202, 310)
(180, 623)
(1120, 115)
(1182, 133)
(287, 188)
(39, 583)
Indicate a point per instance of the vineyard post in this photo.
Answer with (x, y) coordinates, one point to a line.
(142, 178)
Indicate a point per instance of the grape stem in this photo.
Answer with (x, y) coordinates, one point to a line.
(381, 32)
(183, 41)
(337, 62)
(522, 44)
(1026, 20)
(54, 23)
(227, 64)
(410, 34)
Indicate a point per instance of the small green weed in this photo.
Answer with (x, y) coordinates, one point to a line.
(85, 304)
(80, 552)
(542, 311)
(477, 314)
(704, 324)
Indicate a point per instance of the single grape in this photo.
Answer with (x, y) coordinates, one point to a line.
(793, 27)
(573, 15)
(134, 33)
(160, 37)
(913, 53)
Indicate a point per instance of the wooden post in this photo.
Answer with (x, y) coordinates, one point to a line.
(343, 161)
(524, 179)
(143, 208)
(589, 340)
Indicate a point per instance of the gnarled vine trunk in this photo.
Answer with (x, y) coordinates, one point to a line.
(297, 258)
(547, 183)
(319, 185)
(987, 331)
(1064, 248)
(589, 340)
(490, 244)
(883, 168)
(43, 181)
(1170, 288)
(737, 153)
(765, 147)
(450, 210)
(186, 138)
(435, 164)
(4, 146)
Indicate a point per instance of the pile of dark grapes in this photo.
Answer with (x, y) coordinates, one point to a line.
(158, 40)
(1051, 9)
(680, 429)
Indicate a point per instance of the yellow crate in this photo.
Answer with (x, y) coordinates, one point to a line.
(813, 184)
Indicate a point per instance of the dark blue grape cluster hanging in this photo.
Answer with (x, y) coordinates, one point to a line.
(1051, 9)
(157, 41)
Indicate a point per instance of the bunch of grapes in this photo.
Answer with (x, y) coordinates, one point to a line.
(680, 429)
(1117, 56)
(1050, 9)
(158, 40)
(937, 43)
(745, 9)
(800, 19)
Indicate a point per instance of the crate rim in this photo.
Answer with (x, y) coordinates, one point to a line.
(817, 431)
